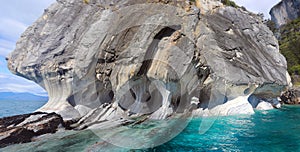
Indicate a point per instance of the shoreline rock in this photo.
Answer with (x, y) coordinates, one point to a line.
(22, 128)
(291, 96)
(263, 105)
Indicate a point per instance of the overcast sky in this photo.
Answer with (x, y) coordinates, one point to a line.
(17, 15)
(258, 6)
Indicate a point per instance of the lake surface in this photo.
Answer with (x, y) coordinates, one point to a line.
(274, 130)
(12, 107)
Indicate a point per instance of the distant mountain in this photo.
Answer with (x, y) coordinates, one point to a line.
(12, 96)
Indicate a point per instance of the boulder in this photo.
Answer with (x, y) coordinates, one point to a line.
(263, 105)
(277, 106)
(291, 96)
(275, 102)
(22, 128)
(237, 106)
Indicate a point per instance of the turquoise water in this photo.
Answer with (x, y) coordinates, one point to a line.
(12, 107)
(275, 130)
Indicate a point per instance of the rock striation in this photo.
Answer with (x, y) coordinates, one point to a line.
(112, 60)
(285, 11)
(23, 128)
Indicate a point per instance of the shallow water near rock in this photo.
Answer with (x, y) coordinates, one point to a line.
(274, 130)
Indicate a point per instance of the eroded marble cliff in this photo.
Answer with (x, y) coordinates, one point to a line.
(285, 11)
(104, 60)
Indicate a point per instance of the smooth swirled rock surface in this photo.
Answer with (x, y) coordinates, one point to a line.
(107, 60)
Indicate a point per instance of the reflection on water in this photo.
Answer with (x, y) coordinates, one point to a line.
(150, 133)
(275, 130)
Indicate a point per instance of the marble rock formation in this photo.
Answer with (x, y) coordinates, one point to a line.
(263, 105)
(112, 59)
(285, 11)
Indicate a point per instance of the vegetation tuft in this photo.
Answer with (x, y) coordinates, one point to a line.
(229, 3)
(86, 1)
(289, 43)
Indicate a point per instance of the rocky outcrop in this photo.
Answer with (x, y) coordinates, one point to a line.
(114, 60)
(22, 128)
(264, 106)
(285, 11)
(291, 96)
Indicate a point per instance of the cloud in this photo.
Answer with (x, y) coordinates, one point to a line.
(258, 6)
(6, 47)
(4, 51)
(12, 83)
(24, 11)
(11, 29)
(15, 17)
(7, 44)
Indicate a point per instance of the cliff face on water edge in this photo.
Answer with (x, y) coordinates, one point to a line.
(285, 24)
(106, 60)
(285, 11)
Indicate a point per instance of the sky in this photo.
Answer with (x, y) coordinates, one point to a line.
(258, 6)
(17, 15)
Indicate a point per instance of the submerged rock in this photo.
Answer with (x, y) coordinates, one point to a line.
(115, 60)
